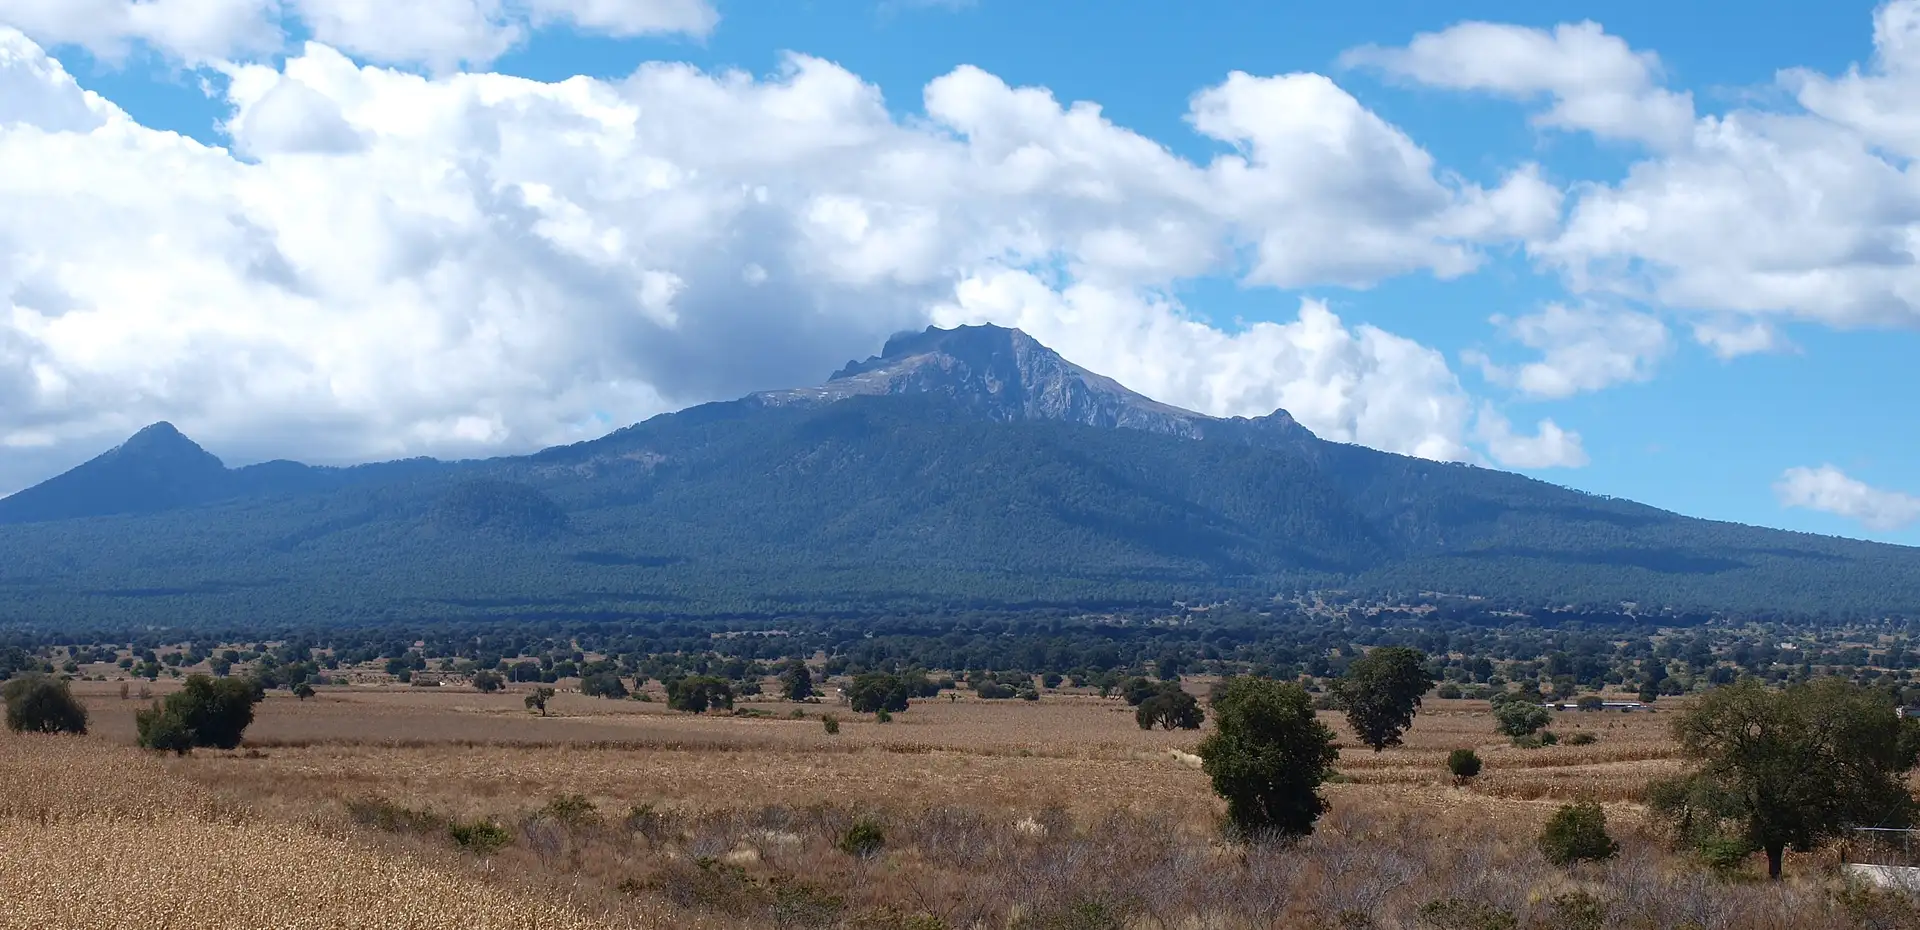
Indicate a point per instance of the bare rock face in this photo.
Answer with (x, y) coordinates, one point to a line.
(1008, 375)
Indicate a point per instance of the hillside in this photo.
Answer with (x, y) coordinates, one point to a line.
(960, 469)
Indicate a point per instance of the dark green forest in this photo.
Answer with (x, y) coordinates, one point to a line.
(878, 506)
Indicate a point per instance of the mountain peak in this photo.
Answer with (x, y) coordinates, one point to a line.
(971, 339)
(160, 435)
(1009, 375)
(157, 468)
(978, 346)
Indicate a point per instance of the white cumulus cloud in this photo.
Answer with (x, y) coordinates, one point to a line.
(1831, 490)
(1738, 221)
(1595, 81)
(440, 34)
(464, 264)
(1349, 384)
(1549, 446)
(1582, 349)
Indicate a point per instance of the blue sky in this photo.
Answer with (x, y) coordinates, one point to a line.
(1658, 251)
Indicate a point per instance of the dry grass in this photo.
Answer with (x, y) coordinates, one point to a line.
(93, 835)
(1060, 813)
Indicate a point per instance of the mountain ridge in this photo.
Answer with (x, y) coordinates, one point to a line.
(958, 468)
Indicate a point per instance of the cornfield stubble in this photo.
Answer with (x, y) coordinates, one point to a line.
(342, 811)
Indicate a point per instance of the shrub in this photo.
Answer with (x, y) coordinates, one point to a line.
(1577, 910)
(830, 723)
(1461, 914)
(207, 712)
(1582, 738)
(382, 814)
(303, 691)
(1577, 833)
(883, 715)
(537, 699)
(1548, 738)
(482, 837)
(864, 839)
(993, 691)
(1725, 855)
(488, 682)
(1463, 763)
(574, 810)
(1078, 913)
(1448, 692)
(38, 704)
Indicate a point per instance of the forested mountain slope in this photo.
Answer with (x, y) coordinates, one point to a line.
(964, 469)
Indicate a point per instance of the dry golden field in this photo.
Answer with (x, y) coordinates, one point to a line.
(1061, 813)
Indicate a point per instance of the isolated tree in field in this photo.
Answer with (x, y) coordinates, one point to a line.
(796, 682)
(1171, 709)
(1520, 718)
(1267, 757)
(205, 712)
(303, 691)
(697, 694)
(488, 682)
(604, 685)
(875, 692)
(537, 699)
(1785, 769)
(1382, 692)
(40, 704)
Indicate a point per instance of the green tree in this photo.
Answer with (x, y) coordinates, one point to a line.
(1268, 756)
(697, 694)
(537, 699)
(40, 704)
(604, 685)
(303, 691)
(1136, 690)
(875, 692)
(796, 682)
(1171, 709)
(1793, 767)
(1382, 692)
(1520, 718)
(488, 682)
(205, 712)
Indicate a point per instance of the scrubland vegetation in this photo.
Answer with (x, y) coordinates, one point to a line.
(1191, 774)
(392, 805)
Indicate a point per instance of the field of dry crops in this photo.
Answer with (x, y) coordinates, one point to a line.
(342, 811)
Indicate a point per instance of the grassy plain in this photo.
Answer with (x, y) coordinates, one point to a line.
(1061, 813)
